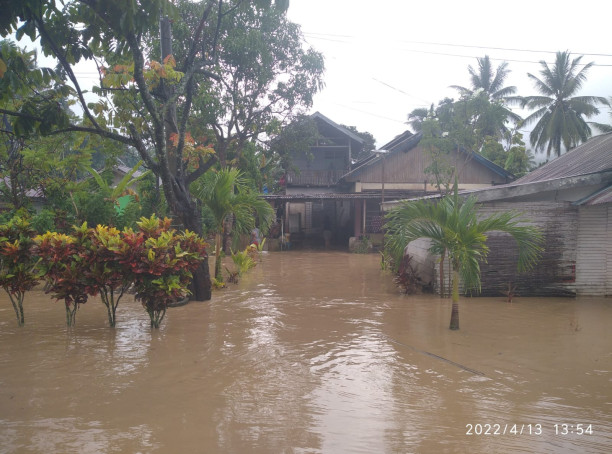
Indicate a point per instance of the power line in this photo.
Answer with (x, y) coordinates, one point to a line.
(431, 43)
(502, 48)
(397, 89)
(447, 54)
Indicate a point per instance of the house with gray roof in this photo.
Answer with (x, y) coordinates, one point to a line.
(570, 199)
(331, 187)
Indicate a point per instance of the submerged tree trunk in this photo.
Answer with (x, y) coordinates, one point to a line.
(201, 286)
(454, 322)
(442, 284)
(17, 302)
(218, 241)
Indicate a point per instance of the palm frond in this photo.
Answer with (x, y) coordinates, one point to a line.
(452, 225)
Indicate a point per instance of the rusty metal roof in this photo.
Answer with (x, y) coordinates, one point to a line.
(595, 155)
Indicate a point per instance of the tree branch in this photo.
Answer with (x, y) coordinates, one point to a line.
(62, 59)
(202, 168)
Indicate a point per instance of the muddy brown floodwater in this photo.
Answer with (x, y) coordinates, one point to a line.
(312, 352)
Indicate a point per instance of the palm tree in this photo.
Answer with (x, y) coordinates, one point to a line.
(489, 81)
(417, 117)
(227, 193)
(560, 114)
(453, 226)
(490, 97)
(603, 127)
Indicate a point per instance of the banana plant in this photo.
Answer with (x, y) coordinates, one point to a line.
(121, 194)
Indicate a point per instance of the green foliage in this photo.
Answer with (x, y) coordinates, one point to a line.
(264, 74)
(226, 193)
(63, 265)
(93, 207)
(369, 142)
(152, 200)
(123, 186)
(17, 262)
(603, 127)
(485, 79)
(104, 273)
(19, 72)
(243, 261)
(156, 259)
(453, 226)
(44, 221)
(561, 116)
(363, 246)
(159, 261)
(237, 69)
(438, 147)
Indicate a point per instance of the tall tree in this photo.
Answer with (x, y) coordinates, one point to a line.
(453, 226)
(141, 88)
(489, 99)
(264, 76)
(560, 115)
(487, 80)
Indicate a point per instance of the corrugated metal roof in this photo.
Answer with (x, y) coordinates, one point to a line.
(595, 155)
(405, 142)
(321, 196)
(600, 197)
(335, 125)
(35, 193)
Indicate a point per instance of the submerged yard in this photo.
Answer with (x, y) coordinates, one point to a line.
(311, 352)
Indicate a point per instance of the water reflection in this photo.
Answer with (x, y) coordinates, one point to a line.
(310, 353)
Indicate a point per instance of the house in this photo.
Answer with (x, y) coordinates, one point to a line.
(313, 199)
(570, 199)
(332, 189)
(399, 171)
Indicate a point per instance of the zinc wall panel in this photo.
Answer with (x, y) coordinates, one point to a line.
(593, 252)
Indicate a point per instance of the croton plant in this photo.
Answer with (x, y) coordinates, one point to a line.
(155, 259)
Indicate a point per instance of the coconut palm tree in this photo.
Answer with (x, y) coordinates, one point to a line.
(418, 116)
(227, 193)
(490, 98)
(452, 225)
(603, 127)
(489, 81)
(560, 115)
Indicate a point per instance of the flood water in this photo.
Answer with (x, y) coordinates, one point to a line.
(312, 352)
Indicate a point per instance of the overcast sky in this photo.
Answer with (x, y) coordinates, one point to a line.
(385, 58)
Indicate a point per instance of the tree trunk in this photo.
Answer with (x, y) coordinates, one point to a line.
(201, 286)
(218, 241)
(454, 322)
(442, 284)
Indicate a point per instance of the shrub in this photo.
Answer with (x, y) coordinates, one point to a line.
(64, 262)
(159, 262)
(17, 262)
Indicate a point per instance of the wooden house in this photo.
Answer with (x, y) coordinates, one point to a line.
(570, 199)
(332, 191)
(398, 171)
